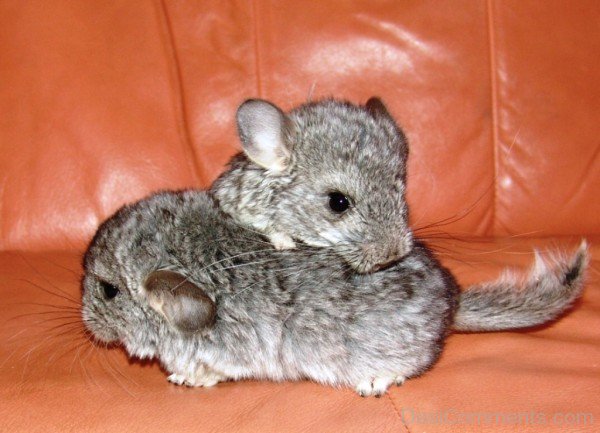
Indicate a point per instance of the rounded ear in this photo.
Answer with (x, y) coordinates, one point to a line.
(262, 128)
(185, 306)
(377, 108)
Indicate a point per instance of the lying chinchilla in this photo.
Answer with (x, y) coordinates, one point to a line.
(173, 278)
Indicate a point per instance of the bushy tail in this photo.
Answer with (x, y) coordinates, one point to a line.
(550, 287)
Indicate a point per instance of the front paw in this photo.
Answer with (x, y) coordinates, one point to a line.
(208, 377)
(177, 379)
(204, 376)
(281, 241)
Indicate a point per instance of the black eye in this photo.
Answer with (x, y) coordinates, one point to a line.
(109, 290)
(338, 202)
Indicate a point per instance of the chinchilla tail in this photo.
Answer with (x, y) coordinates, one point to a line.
(549, 288)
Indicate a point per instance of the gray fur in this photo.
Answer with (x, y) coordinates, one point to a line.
(323, 147)
(282, 314)
(361, 151)
(518, 302)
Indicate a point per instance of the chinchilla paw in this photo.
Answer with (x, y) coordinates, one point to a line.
(281, 241)
(177, 379)
(374, 387)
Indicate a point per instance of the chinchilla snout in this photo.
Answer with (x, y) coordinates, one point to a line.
(379, 255)
(97, 321)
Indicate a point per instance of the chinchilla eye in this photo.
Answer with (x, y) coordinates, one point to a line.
(338, 202)
(109, 290)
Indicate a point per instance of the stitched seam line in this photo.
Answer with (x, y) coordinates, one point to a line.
(176, 83)
(494, 94)
(397, 412)
(256, 48)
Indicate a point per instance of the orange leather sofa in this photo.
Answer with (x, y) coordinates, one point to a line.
(103, 102)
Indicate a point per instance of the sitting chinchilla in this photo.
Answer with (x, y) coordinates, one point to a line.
(328, 174)
(173, 278)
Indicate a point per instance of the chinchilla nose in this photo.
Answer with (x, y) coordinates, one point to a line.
(382, 257)
(388, 258)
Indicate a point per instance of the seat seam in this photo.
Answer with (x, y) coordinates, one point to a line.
(255, 35)
(494, 102)
(176, 84)
(398, 414)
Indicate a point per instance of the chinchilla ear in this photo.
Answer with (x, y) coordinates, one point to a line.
(262, 129)
(185, 306)
(377, 108)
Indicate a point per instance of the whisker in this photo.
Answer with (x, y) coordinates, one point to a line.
(67, 320)
(232, 257)
(73, 315)
(76, 273)
(39, 304)
(260, 262)
(78, 348)
(61, 354)
(43, 277)
(45, 329)
(43, 289)
(88, 376)
(114, 376)
(66, 328)
(119, 372)
(458, 216)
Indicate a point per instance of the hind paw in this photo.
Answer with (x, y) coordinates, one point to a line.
(399, 380)
(374, 387)
(378, 386)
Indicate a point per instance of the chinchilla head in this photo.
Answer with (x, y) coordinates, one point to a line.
(328, 173)
(128, 298)
(115, 264)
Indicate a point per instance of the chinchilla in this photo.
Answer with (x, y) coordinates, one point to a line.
(173, 278)
(328, 173)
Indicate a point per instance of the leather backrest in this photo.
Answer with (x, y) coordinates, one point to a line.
(104, 102)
